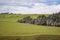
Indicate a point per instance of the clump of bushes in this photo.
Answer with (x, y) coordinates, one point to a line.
(51, 20)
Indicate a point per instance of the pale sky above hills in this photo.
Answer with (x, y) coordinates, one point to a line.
(30, 6)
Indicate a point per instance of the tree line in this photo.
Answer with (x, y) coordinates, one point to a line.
(51, 20)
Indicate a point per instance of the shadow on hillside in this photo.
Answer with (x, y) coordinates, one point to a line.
(35, 37)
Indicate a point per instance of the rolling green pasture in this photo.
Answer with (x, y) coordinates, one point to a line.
(10, 27)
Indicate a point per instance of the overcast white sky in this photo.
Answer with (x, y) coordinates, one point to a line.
(30, 6)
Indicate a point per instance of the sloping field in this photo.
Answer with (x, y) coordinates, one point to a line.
(9, 27)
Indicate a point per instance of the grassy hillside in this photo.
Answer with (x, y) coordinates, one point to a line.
(15, 17)
(10, 27)
(7, 28)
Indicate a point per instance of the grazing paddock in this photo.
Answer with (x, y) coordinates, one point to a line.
(12, 30)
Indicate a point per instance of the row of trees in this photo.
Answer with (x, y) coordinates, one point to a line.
(51, 20)
(6, 13)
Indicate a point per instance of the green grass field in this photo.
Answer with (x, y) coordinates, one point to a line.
(10, 27)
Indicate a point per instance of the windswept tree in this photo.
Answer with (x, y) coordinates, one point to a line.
(25, 20)
(42, 19)
(53, 20)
